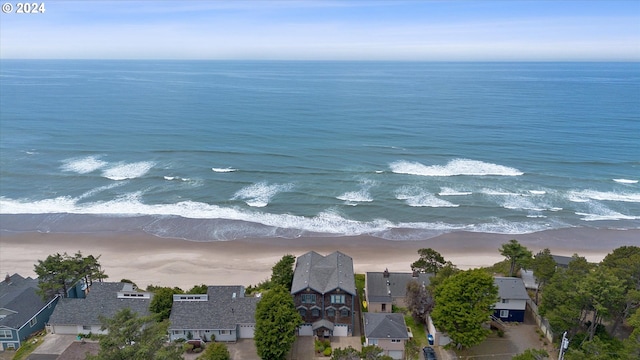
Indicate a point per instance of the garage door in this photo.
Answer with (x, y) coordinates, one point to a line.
(305, 330)
(341, 330)
(395, 354)
(246, 331)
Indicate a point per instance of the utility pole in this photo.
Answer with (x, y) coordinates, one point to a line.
(564, 345)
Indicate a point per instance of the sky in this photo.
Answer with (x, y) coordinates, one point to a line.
(444, 30)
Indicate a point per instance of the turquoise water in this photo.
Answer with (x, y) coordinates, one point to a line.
(221, 150)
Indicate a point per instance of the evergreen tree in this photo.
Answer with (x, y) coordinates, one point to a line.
(430, 261)
(463, 304)
(517, 255)
(543, 267)
(276, 323)
(282, 272)
(137, 338)
(163, 301)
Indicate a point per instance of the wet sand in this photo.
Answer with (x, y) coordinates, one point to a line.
(146, 259)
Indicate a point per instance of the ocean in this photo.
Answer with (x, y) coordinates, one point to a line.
(222, 150)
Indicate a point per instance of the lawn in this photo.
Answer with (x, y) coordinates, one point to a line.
(360, 290)
(419, 333)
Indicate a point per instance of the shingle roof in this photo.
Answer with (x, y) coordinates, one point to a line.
(19, 296)
(102, 300)
(222, 311)
(378, 290)
(385, 325)
(324, 273)
(511, 288)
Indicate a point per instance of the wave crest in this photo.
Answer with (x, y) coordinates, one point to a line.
(83, 165)
(128, 171)
(454, 167)
(260, 194)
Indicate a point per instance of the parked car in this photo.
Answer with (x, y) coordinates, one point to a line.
(429, 353)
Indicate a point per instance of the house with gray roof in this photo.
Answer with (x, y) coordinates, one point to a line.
(384, 289)
(22, 310)
(388, 331)
(324, 292)
(223, 314)
(512, 301)
(74, 316)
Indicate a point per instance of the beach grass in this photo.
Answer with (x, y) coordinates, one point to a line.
(29, 346)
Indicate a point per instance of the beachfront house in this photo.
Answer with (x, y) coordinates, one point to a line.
(512, 301)
(222, 314)
(324, 292)
(22, 310)
(388, 331)
(74, 316)
(384, 289)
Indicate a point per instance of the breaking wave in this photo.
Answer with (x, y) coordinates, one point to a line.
(83, 165)
(454, 167)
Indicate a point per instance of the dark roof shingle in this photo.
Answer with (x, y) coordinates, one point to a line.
(324, 273)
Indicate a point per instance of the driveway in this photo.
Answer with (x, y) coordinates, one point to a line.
(241, 350)
(54, 344)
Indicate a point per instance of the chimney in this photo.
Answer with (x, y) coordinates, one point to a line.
(386, 273)
(415, 274)
(7, 279)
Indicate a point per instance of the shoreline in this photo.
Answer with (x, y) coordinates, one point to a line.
(147, 259)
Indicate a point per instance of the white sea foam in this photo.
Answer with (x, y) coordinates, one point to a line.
(586, 195)
(453, 168)
(416, 197)
(99, 190)
(260, 194)
(498, 192)
(124, 171)
(445, 191)
(625, 181)
(522, 203)
(537, 192)
(602, 213)
(171, 178)
(223, 170)
(362, 195)
(83, 165)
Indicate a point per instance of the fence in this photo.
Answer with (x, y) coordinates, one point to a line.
(543, 324)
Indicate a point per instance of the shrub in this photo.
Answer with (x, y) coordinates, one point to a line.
(187, 347)
(327, 351)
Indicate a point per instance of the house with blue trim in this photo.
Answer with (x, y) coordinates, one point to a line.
(512, 301)
(22, 311)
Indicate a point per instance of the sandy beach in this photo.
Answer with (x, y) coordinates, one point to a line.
(146, 259)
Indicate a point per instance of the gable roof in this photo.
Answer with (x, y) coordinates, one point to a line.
(511, 288)
(383, 289)
(19, 296)
(324, 273)
(385, 325)
(102, 300)
(225, 308)
(562, 261)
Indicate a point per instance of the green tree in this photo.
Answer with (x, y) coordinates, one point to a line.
(198, 289)
(418, 301)
(276, 323)
(447, 271)
(532, 354)
(604, 293)
(348, 353)
(58, 272)
(624, 262)
(132, 337)
(632, 343)
(372, 352)
(561, 304)
(412, 349)
(215, 351)
(162, 302)
(464, 303)
(430, 261)
(517, 255)
(543, 267)
(282, 272)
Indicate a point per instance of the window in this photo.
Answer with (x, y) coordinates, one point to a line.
(33, 322)
(308, 298)
(5, 334)
(504, 313)
(344, 312)
(331, 312)
(86, 327)
(225, 332)
(384, 307)
(395, 340)
(303, 312)
(373, 341)
(315, 312)
(505, 301)
(337, 299)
